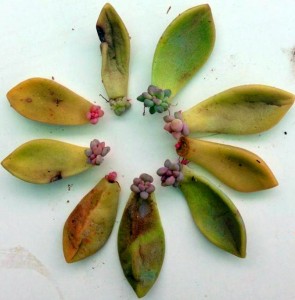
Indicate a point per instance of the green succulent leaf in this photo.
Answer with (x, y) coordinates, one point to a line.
(245, 109)
(183, 48)
(115, 51)
(45, 161)
(214, 213)
(152, 110)
(238, 168)
(141, 243)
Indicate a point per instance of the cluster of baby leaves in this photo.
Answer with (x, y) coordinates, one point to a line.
(141, 242)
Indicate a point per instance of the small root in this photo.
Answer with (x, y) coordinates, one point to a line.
(104, 98)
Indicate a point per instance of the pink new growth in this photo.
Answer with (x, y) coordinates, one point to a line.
(184, 161)
(171, 173)
(94, 114)
(96, 152)
(111, 177)
(175, 125)
(178, 145)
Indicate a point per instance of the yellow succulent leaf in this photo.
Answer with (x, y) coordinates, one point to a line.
(47, 101)
(46, 160)
(238, 168)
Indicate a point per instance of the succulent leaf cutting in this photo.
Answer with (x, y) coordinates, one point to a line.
(141, 240)
(47, 160)
(238, 168)
(115, 53)
(182, 50)
(246, 109)
(213, 212)
(90, 224)
(47, 101)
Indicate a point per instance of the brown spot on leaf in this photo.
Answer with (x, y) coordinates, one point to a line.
(101, 33)
(182, 147)
(139, 223)
(58, 176)
(57, 101)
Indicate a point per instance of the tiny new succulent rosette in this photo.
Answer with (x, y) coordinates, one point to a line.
(119, 105)
(175, 125)
(156, 99)
(96, 152)
(94, 114)
(143, 185)
(171, 173)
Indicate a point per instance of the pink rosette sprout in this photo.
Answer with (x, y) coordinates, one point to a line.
(94, 114)
(96, 153)
(171, 173)
(175, 125)
(143, 185)
(111, 177)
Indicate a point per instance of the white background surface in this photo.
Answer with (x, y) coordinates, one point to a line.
(254, 44)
